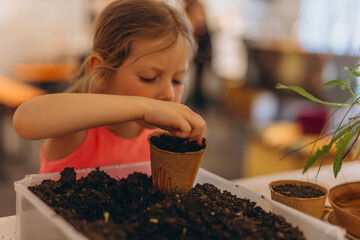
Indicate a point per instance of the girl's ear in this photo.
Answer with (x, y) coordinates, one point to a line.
(96, 60)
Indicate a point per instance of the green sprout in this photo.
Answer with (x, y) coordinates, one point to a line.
(343, 133)
(177, 188)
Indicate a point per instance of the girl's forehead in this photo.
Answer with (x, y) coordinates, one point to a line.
(143, 48)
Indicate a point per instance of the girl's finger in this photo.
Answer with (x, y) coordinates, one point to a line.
(199, 142)
(183, 130)
(198, 129)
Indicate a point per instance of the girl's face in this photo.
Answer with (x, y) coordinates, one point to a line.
(151, 73)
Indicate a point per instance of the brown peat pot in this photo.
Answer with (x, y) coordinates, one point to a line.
(174, 171)
(312, 206)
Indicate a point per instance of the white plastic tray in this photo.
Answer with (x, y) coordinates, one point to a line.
(36, 220)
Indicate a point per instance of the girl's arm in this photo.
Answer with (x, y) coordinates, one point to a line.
(55, 115)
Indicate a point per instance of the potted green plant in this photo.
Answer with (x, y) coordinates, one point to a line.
(344, 198)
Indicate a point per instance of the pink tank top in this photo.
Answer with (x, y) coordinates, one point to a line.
(101, 147)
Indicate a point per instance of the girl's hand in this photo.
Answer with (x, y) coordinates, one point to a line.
(176, 118)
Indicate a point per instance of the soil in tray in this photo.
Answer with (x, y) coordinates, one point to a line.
(102, 207)
(293, 190)
(175, 144)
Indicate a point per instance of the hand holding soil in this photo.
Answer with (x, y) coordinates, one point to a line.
(176, 118)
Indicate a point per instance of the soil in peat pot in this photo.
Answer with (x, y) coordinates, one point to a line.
(176, 144)
(293, 190)
(102, 207)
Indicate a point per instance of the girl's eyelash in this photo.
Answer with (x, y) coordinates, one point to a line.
(177, 82)
(148, 79)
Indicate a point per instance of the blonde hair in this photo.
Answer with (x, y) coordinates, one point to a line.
(120, 25)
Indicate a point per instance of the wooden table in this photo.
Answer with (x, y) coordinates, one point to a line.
(13, 93)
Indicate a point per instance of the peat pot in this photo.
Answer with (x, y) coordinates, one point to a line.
(345, 201)
(174, 171)
(312, 206)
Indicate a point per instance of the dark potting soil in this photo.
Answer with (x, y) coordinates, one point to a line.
(176, 144)
(293, 190)
(102, 207)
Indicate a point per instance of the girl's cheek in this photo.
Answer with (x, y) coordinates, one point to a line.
(179, 97)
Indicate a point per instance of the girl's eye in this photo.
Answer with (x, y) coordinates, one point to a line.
(148, 79)
(177, 82)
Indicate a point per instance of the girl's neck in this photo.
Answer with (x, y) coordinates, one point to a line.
(126, 130)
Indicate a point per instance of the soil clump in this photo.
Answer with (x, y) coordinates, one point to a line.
(176, 144)
(102, 207)
(293, 190)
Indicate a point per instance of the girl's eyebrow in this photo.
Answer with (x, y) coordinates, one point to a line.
(181, 71)
(160, 69)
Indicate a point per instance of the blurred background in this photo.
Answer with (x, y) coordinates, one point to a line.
(246, 48)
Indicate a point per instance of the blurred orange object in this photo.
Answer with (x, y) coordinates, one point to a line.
(13, 93)
(282, 134)
(45, 72)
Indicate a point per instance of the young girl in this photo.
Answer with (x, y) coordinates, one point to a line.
(131, 83)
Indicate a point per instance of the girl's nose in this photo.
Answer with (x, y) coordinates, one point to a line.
(167, 91)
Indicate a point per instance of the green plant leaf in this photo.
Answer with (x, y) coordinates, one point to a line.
(340, 149)
(356, 73)
(335, 82)
(304, 93)
(320, 152)
(356, 154)
(343, 134)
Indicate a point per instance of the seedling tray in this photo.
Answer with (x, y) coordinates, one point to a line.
(36, 220)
